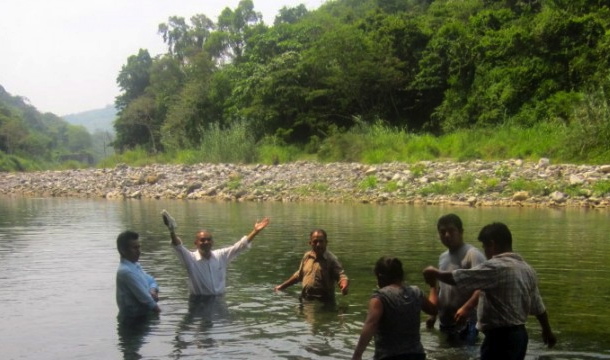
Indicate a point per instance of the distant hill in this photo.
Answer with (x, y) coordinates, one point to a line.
(92, 120)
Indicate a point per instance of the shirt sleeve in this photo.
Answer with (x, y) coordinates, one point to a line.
(338, 271)
(478, 278)
(182, 252)
(229, 253)
(152, 283)
(135, 286)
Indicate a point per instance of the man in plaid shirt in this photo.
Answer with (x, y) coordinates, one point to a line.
(509, 293)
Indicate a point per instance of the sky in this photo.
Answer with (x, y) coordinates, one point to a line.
(64, 55)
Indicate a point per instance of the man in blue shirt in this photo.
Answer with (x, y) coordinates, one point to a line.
(137, 292)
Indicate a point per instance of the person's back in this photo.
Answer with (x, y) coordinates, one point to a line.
(393, 317)
(398, 331)
(512, 295)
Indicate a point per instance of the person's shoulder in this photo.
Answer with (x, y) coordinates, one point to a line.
(473, 250)
(309, 254)
(124, 269)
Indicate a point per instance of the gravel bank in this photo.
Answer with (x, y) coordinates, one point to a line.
(473, 183)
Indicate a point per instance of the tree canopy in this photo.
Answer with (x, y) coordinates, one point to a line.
(420, 65)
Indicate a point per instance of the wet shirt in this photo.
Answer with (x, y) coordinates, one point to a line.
(319, 275)
(509, 291)
(208, 276)
(133, 287)
(398, 332)
(451, 298)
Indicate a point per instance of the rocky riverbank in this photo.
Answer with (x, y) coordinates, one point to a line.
(472, 183)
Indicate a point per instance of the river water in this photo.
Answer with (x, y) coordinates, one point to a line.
(58, 261)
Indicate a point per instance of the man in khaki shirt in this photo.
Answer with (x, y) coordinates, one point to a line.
(319, 271)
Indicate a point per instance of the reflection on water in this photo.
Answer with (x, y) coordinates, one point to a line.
(204, 312)
(132, 334)
(58, 261)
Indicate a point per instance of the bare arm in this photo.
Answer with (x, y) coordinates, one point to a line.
(547, 334)
(431, 274)
(371, 324)
(258, 227)
(175, 239)
(433, 298)
(291, 281)
(429, 304)
(344, 285)
(464, 311)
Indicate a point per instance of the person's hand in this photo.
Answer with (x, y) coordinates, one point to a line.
(461, 315)
(155, 294)
(169, 221)
(430, 322)
(430, 274)
(344, 286)
(260, 225)
(278, 288)
(549, 338)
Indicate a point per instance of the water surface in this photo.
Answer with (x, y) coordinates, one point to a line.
(58, 260)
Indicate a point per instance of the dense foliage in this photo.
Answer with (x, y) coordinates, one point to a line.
(29, 139)
(420, 66)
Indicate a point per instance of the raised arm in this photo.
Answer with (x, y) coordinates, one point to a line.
(258, 227)
(175, 239)
(171, 224)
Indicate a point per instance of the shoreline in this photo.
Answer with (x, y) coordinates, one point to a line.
(506, 183)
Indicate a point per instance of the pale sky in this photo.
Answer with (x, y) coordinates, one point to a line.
(65, 55)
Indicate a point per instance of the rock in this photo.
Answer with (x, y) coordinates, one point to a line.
(543, 162)
(576, 180)
(558, 196)
(521, 196)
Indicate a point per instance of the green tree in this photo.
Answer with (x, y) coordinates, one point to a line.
(133, 79)
(139, 119)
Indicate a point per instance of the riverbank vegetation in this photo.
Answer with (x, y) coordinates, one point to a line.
(373, 81)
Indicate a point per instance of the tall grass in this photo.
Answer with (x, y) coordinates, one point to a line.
(234, 144)
(582, 139)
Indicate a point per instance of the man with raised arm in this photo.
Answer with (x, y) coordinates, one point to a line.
(207, 268)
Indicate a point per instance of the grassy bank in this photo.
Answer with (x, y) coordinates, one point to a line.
(373, 144)
(584, 142)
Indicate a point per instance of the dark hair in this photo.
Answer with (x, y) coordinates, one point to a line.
(122, 241)
(498, 233)
(318, 231)
(388, 270)
(450, 219)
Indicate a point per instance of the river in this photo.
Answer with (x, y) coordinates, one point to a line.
(58, 261)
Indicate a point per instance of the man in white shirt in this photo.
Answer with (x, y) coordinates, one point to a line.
(207, 268)
(137, 292)
(456, 307)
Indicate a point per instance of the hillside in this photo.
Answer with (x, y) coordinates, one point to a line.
(94, 120)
